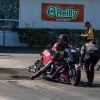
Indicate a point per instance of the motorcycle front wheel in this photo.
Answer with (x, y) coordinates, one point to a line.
(36, 67)
(75, 76)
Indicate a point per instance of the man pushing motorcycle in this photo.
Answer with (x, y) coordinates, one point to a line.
(59, 46)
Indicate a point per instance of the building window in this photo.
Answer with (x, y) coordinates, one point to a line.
(9, 14)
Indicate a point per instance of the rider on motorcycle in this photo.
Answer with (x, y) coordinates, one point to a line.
(62, 43)
(59, 46)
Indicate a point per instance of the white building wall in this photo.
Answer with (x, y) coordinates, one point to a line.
(31, 14)
(26, 12)
(96, 14)
(10, 39)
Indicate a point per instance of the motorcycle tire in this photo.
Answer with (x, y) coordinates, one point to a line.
(37, 66)
(75, 77)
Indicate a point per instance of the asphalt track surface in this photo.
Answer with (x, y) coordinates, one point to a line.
(15, 83)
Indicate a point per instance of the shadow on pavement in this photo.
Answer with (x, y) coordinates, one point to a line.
(94, 85)
(33, 50)
(24, 74)
(14, 74)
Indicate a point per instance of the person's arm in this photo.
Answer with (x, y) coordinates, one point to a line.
(55, 47)
(84, 35)
(70, 46)
(83, 52)
(89, 33)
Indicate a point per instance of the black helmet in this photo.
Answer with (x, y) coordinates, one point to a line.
(62, 37)
(93, 41)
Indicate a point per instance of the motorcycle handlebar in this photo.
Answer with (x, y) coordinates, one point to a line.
(58, 53)
(58, 59)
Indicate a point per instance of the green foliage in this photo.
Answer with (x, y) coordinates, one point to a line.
(44, 36)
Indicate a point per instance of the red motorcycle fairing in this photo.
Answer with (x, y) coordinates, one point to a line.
(64, 78)
(46, 55)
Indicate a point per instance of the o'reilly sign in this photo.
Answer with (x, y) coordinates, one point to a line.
(62, 12)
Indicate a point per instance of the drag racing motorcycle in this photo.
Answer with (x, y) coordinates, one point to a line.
(62, 65)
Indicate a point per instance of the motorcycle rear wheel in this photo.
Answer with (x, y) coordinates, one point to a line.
(75, 76)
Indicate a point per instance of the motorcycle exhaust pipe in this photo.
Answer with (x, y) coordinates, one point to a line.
(54, 75)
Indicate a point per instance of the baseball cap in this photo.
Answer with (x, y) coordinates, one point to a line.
(86, 23)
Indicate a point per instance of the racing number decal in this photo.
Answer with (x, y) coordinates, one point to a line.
(46, 53)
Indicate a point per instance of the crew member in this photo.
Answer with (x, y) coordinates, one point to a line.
(90, 55)
(89, 34)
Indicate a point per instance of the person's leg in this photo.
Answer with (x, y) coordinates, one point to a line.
(87, 64)
(94, 62)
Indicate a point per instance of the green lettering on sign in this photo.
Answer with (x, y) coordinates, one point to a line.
(56, 11)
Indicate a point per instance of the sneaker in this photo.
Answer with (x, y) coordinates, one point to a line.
(88, 84)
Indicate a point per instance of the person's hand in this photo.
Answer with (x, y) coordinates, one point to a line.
(82, 35)
(79, 65)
